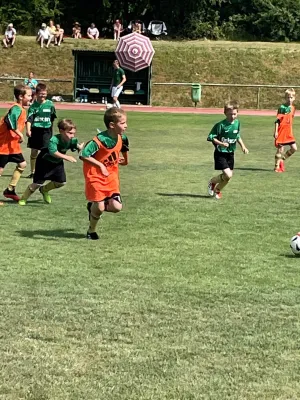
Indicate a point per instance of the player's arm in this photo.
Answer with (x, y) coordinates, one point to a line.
(276, 127)
(214, 136)
(29, 121)
(11, 120)
(243, 147)
(122, 81)
(87, 153)
(124, 151)
(53, 151)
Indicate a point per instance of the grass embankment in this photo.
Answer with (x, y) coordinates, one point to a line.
(190, 61)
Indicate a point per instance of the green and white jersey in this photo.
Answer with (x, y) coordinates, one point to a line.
(227, 132)
(284, 109)
(118, 76)
(41, 115)
(57, 143)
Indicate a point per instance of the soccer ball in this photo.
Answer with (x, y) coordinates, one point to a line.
(295, 244)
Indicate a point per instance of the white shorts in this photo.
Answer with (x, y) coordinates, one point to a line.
(115, 91)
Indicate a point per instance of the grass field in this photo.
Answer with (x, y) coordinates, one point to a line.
(184, 297)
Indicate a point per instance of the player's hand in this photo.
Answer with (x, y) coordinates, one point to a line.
(245, 150)
(80, 146)
(225, 144)
(21, 139)
(71, 159)
(104, 170)
(28, 134)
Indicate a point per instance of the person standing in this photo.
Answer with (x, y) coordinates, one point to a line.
(118, 80)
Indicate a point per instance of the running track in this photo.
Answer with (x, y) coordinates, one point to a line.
(178, 110)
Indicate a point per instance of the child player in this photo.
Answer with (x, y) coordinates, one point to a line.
(283, 133)
(101, 159)
(224, 136)
(50, 162)
(40, 117)
(11, 137)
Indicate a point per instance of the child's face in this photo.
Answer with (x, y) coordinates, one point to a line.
(26, 98)
(68, 134)
(231, 115)
(41, 96)
(120, 126)
(289, 99)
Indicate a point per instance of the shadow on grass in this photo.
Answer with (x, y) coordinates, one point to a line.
(253, 169)
(286, 255)
(199, 196)
(51, 233)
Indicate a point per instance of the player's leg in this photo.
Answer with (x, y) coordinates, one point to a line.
(28, 192)
(220, 165)
(33, 156)
(225, 178)
(10, 191)
(96, 209)
(3, 162)
(278, 158)
(290, 152)
(114, 204)
(44, 190)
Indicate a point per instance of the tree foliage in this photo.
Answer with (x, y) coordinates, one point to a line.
(273, 20)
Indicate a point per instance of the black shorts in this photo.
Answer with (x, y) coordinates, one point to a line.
(40, 138)
(48, 171)
(11, 158)
(223, 160)
(285, 144)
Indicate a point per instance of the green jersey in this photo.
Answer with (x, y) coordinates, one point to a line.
(227, 132)
(118, 76)
(284, 109)
(109, 142)
(41, 115)
(58, 144)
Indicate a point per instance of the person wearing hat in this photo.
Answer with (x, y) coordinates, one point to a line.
(76, 31)
(9, 36)
(44, 36)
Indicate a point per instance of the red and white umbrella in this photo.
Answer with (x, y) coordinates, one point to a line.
(134, 52)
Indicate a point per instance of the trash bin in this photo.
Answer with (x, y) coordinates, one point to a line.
(196, 93)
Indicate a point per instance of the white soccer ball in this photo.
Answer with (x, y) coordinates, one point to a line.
(295, 244)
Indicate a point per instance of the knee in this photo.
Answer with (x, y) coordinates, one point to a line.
(21, 166)
(59, 184)
(227, 176)
(34, 153)
(294, 148)
(115, 207)
(97, 209)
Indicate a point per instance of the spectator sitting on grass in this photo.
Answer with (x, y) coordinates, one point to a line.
(137, 27)
(76, 31)
(9, 36)
(51, 28)
(93, 32)
(44, 36)
(59, 34)
(118, 28)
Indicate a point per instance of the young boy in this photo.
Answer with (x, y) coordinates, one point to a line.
(118, 80)
(224, 136)
(101, 159)
(39, 125)
(283, 133)
(50, 162)
(11, 127)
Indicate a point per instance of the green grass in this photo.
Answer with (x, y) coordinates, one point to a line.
(184, 297)
(174, 61)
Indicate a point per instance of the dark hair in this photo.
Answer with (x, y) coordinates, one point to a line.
(113, 114)
(65, 124)
(20, 90)
(231, 105)
(40, 87)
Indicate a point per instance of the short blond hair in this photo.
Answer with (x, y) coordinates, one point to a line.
(66, 124)
(289, 92)
(113, 114)
(231, 105)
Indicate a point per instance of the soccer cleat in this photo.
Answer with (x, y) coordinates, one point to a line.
(218, 195)
(281, 166)
(11, 194)
(22, 202)
(30, 176)
(88, 206)
(210, 188)
(46, 196)
(92, 235)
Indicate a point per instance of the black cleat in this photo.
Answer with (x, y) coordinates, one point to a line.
(11, 194)
(30, 176)
(92, 236)
(88, 206)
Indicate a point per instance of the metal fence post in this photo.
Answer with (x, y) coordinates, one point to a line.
(258, 98)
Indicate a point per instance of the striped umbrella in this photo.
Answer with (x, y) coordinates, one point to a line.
(134, 52)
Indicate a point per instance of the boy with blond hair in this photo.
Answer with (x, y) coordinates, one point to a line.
(283, 133)
(50, 162)
(101, 159)
(11, 137)
(224, 136)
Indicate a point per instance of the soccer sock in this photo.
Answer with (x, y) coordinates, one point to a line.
(222, 184)
(15, 178)
(118, 105)
(217, 179)
(278, 157)
(93, 223)
(28, 192)
(288, 154)
(32, 164)
(50, 186)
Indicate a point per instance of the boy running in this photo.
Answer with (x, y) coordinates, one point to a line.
(101, 159)
(50, 162)
(224, 136)
(41, 115)
(11, 137)
(283, 133)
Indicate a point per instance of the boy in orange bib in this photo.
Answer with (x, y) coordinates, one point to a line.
(283, 133)
(11, 137)
(101, 159)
